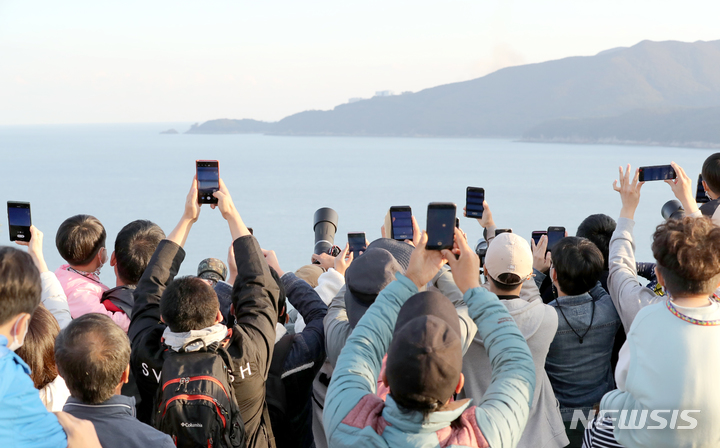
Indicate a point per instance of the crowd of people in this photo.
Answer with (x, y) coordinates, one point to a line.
(399, 346)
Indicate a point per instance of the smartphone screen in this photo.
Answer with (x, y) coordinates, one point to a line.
(700, 196)
(554, 235)
(474, 202)
(19, 220)
(401, 219)
(357, 243)
(208, 177)
(537, 234)
(441, 225)
(659, 172)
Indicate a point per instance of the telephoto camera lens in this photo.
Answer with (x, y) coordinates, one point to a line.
(672, 210)
(325, 226)
(481, 249)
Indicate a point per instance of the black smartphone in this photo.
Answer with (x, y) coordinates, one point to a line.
(537, 234)
(700, 196)
(554, 235)
(457, 222)
(19, 220)
(658, 172)
(208, 178)
(499, 231)
(401, 227)
(474, 202)
(357, 242)
(250, 230)
(441, 225)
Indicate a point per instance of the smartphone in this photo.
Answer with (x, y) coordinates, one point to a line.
(659, 172)
(554, 235)
(401, 227)
(19, 220)
(537, 234)
(208, 178)
(701, 197)
(441, 225)
(250, 230)
(457, 222)
(499, 231)
(474, 202)
(357, 242)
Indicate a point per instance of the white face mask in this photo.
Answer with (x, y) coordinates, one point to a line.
(15, 344)
(103, 260)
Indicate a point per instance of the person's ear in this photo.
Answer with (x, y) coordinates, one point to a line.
(704, 184)
(485, 272)
(113, 260)
(460, 384)
(20, 329)
(385, 380)
(162, 320)
(125, 377)
(219, 317)
(553, 274)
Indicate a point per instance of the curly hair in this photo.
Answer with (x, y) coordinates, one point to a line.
(687, 252)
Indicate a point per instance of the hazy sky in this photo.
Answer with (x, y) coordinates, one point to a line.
(158, 60)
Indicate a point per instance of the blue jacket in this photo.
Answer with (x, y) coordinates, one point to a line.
(24, 421)
(116, 425)
(581, 373)
(355, 417)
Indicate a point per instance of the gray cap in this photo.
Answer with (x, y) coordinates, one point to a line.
(212, 269)
(399, 249)
(366, 276)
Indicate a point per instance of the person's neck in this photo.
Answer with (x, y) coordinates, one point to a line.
(89, 268)
(692, 301)
(498, 292)
(711, 194)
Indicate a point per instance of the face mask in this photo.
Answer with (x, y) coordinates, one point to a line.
(15, 344)
(103, 260)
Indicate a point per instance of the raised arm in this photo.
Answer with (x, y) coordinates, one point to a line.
(503, 411)
(162, 269)
(359, 364)
(53, 296)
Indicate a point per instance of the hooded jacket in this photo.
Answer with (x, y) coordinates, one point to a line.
(537, 323)
(356, 417)
(119, 298)
(255, 300)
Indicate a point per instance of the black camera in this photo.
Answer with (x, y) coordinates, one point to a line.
(325, 226)
(481, 250)
(672, 210)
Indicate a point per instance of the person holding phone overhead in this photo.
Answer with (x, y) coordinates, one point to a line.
(711, 183)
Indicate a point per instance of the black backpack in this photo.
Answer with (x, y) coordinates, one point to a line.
(196, 402)
(275, 394)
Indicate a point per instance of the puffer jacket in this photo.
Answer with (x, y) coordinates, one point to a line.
(84, 294)
(355, 417)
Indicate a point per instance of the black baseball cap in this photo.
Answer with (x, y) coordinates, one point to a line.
(425, 356)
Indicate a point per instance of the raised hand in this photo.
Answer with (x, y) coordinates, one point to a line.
(629, 192)
(192, 208)
(229, 212)
(424, 264)
(541, 257)
(465, 268)
(682, 188)
(343, 260)
(487, 217)
(35, 248)
(272, 261)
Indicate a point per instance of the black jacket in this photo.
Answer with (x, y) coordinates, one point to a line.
(254, 296)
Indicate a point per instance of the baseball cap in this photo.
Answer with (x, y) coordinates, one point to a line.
(425, 356)
(366, 276)
(400, 250)
(212, 269)
(509, 253)
(310, 273)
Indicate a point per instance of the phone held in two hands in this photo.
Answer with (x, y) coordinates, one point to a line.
(208, 180)
(657, 172)
(19, 220)
(441, 225)
(357, 243)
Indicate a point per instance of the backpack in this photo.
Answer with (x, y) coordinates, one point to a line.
(196, 402)
(275, 394)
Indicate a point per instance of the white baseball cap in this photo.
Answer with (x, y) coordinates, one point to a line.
(509, 253)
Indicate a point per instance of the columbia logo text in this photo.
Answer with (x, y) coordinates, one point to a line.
(191, 425)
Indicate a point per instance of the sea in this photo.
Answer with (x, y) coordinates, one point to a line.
(123, 172)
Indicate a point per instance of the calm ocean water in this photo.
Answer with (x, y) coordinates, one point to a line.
(124, 172)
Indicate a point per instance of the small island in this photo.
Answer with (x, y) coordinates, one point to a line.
(170, 131)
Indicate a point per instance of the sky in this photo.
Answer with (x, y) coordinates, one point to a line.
(190, 61)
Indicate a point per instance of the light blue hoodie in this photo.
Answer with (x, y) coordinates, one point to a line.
(355, 417)
(24, 421)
